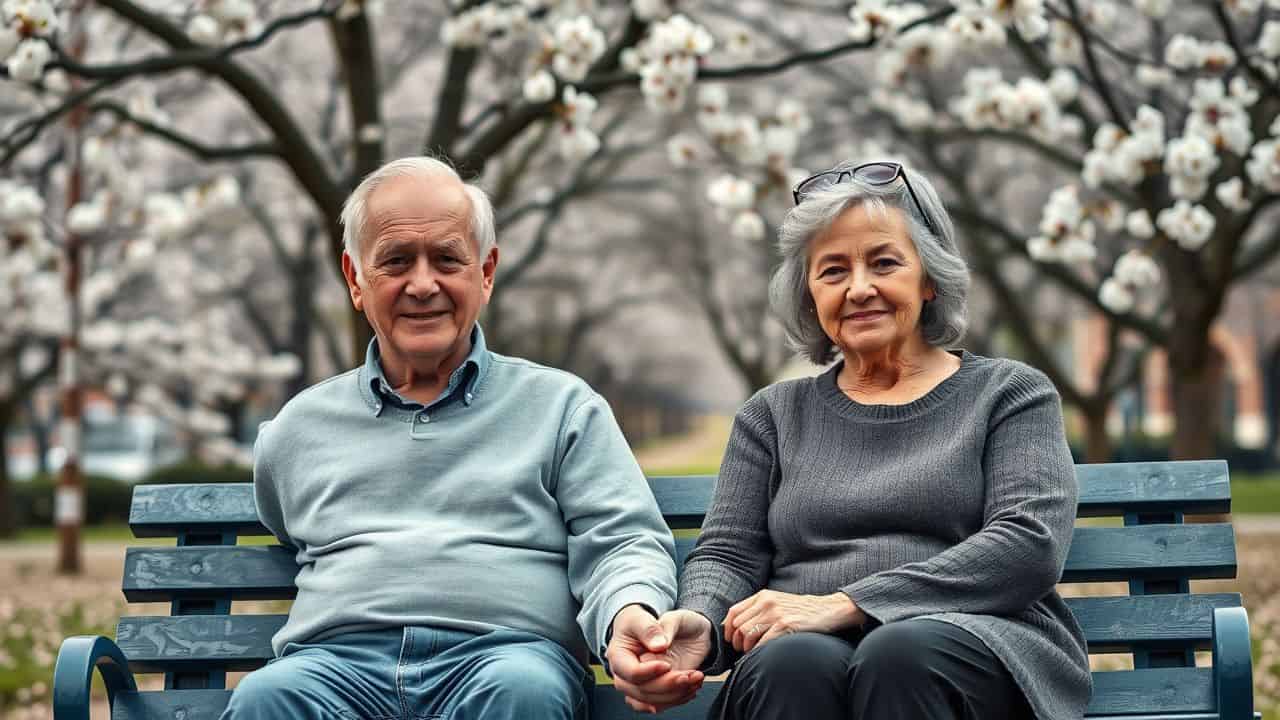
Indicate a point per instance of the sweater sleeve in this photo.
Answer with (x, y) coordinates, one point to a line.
(620, 551)
(266, 494)
(734, 554)
(1030, 507)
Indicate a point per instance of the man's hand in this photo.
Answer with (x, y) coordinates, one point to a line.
(770, 614)
(655, 663)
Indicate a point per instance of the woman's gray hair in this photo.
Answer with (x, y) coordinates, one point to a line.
(355, 211)
(943, 320)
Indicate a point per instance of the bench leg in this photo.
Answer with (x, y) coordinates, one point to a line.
(73, 674)
(1232, 664)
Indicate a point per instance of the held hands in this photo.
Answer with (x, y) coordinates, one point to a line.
(771, 614)
(654, 662)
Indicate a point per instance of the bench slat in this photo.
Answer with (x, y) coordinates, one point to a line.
(267, 572)
(1117, 624)
(1159, 690)
(197, 642)
(1194, 486)
(243, 642)
(1123, 553)
(1188, 486)
(170, 704)
(1146, 552)
(239, 572)
(1164, 691)
(166, 510)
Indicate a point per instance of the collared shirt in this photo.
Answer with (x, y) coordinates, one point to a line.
(461, 386)
(511, 501)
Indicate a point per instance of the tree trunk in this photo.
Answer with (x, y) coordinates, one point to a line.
(7, 528)
(1196, 373)
(1097, 441)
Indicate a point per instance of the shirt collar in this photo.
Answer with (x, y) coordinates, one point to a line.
(464, 380)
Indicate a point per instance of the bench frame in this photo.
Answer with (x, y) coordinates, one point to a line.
(1152, 498)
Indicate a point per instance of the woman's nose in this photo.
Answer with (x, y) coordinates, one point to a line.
(860, 287)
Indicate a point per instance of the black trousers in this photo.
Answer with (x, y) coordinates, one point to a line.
(916, 669)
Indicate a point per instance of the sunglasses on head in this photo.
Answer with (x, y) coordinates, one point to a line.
(873, 173)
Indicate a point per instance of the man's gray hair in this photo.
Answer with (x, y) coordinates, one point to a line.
(355, 211)
(943, 320)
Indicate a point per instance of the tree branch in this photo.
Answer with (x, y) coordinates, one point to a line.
(188, 143)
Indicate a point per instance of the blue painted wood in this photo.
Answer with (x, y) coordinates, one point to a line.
(1189, 486)
(1163, 622)
(197, 642)
(154, 574)
(1151, 552)
(167, 510)
(78, 658)
(1199, 486)
(170, 705)
(1233, 664)
(1162, 690)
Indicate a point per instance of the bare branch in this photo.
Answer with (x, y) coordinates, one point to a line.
(186, 142)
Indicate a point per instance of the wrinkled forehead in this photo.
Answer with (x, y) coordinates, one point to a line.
(866, 223)
(435, 201)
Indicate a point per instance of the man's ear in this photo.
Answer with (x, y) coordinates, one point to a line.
(488, 270)
(353, 285)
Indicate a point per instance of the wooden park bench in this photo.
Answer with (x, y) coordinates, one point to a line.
(1161, 622)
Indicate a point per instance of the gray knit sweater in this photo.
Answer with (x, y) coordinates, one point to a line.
(958, 506)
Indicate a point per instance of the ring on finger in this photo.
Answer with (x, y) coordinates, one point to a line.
(756, 629)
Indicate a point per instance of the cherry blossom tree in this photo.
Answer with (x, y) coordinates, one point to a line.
(1112, 121)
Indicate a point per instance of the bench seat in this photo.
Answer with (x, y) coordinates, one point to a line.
(1161, 623)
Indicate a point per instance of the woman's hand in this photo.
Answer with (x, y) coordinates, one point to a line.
(770, 614)
(689, 640)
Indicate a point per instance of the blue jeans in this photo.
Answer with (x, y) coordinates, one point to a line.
(416, 673)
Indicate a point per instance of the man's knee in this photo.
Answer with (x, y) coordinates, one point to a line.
(271, 692)
(524, 681)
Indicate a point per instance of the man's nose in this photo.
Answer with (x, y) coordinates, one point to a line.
(422, 280)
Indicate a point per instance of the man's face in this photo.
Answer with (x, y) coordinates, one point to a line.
(422, 282)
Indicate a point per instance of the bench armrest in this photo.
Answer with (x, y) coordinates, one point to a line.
(78, 657)
(1232, 664)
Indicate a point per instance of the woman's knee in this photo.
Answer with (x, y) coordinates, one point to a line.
(899, 649)
(798, 654)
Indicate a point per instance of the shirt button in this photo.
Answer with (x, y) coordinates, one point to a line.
(425, 418)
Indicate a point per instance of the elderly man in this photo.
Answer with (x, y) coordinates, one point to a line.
(464, 522)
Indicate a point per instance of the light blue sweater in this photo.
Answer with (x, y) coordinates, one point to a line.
(512, 501)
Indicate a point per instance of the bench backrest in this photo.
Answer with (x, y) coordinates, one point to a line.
(1159, 622)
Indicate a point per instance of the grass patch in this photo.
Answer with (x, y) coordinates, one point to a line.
(1255, 493)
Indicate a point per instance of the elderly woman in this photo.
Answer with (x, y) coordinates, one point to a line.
(884, 538)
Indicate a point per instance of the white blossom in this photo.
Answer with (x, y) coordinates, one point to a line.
(1027, 16)
(1264, 165)
(792, 114)
(1231, 195)
(1188, 225)
(1064, 85)
(9, 38)
(578, 142)
(1137, 269)
(1115, 296)
(1269, 41)
(27, 62)
(730, 192)
(86, 217)
(748, 226)
(1189, 162)
(204, 30)
(1153, 76)
(1138, 224)
(1156, 9)
(539, 87)
(974, 28)
(650, 10)
(740, 44)
(683, 150)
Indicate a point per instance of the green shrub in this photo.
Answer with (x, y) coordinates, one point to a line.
(106, 500)
(196, 472)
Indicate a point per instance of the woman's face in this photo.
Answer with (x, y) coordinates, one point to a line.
(867, 282)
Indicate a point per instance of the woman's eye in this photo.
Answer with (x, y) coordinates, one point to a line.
(883, 263)
(831, 271)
